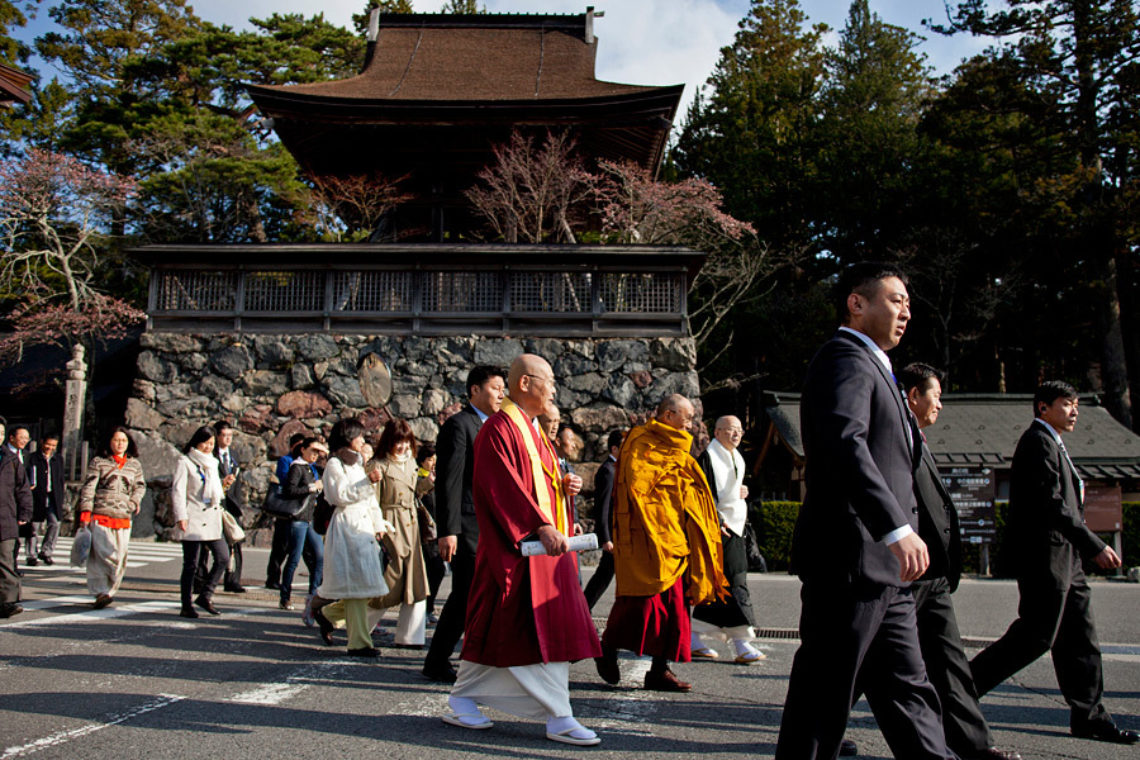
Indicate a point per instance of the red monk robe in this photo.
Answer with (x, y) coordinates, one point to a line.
(522, 610)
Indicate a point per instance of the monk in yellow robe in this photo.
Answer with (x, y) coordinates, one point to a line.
(667, 549)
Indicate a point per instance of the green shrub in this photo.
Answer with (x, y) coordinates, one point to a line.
(774, 522)
(1131, 537)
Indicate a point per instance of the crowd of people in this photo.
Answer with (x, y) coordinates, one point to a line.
(377, 520)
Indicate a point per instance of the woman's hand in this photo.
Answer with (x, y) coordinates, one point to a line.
(182, 525)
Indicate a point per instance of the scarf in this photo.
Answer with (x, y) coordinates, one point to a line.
(728, 472)
(554, 513)
(207, 467)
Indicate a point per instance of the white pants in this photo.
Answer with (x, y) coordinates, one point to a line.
(107, 561)
(411, 626)
(540, 691)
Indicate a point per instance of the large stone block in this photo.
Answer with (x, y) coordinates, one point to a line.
(344, 391)
(600, 418)
(405, 405)
(256, 419)
(498, 352)
(568, 365)
(677, 354)
(434, 401)
(171, 343)
(301, 375)
(614, 354)
(232, 361)
(216, 388)
(621, 391)
(272, 351)
(304, 404)
(316, 347)
(264, 382)
(156, 454)
(426, 429)
(141, 416)
(280, 445)
(590, 383)
(156, 369)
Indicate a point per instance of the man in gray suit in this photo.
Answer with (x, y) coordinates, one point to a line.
(1047, 529)
(856, 547)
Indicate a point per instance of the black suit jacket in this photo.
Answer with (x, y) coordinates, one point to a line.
(937, 522)
(15, 497)
(38, 479)
(228, 465)
(604, 500)
(859, 471)
(455, 463)
(1046, 516)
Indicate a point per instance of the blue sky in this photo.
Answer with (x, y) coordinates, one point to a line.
(640, 41)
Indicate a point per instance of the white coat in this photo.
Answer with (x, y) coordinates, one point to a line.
(352, 555)
(196, 496)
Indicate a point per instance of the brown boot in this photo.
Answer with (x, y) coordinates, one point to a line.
(665, 680)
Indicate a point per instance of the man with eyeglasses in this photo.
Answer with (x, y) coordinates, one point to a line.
(666, 546)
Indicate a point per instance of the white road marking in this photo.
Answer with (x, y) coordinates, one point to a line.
(58, 601)
(62, 737)
(278, 691)
(636, 706)
(106, 613)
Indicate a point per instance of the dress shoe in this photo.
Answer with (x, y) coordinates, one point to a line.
(607, 666)
(47, 560)
(440, 671)
(8, 610)
(188, 612)
(325, 627)
(848, 748)
(364, 652)
(285, 604)
(993, 753)
(1106, 731)
(207, 604)
(234, 589)
(103, 600)
(32, 562)
(272, 585)
(666, 680)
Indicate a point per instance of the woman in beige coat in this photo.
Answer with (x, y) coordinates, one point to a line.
(406, 574)
(110, 497)
(196, 499)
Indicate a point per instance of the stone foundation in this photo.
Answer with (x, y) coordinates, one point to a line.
(271, 386)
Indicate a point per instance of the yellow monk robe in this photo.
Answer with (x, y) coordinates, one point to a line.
(665, 522)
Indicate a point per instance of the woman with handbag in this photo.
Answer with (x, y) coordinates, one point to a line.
(196, 499)
(110, 497)
(352, 570)
(302, 484)
(406, 574)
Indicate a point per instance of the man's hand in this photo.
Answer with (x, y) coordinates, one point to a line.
(608, 546)
(1108, 559)
(912, 555)
(578, 529)
(572, 484)
(228, 480)
(553, 541)
(447, 547)
(744, 492)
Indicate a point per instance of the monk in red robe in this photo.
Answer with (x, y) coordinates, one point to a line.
(527, 618)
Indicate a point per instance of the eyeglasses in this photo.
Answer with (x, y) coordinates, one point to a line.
(548, 380)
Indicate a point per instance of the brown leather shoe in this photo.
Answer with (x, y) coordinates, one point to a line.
(665, 681)
(101, 601)
(993, 753)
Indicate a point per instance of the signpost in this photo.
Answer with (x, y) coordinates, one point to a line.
(974, 490)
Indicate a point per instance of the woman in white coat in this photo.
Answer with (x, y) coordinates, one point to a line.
(353, 572)
(196, 499)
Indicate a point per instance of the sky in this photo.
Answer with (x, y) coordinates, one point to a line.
(645, 42)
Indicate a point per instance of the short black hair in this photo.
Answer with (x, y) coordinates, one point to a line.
(17, 429)
(1049, 391)
(425, 452)
(480, 374)
(919, 375)
(105, 450)
(222, 425)
(204, 433)
(615, 438)
(344, 432)
(862, 278)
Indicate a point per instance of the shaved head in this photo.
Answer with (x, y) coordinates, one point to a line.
(676, 411)
(531, 383)
(728, 431)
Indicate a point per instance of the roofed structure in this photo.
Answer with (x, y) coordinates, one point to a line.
(438, 91)
(14, 86)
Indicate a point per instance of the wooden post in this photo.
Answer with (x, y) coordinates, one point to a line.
(74, 401)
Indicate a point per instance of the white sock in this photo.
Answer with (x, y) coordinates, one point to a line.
(695, 641)
(463, 706)
(568, 723)
(742, 647)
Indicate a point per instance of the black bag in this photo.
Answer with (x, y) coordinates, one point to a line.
(278, 506)
(756, 563)
(322, 515)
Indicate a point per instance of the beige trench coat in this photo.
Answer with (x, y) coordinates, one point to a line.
(406, 575)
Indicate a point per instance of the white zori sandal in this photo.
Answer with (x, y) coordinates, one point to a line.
(569, 731)
(465, 714)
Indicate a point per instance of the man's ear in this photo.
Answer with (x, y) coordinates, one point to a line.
(854, 304)
(912, 395)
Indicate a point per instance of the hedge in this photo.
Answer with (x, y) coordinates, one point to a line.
(774, 522)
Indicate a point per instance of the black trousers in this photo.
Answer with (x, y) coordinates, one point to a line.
(603, 576)
(436, 570)
(9, 580)
(1059, 621)
(736, 610)
(859, 640)
(192, 552)
(948, 668)
(453, 618)
(278, 551)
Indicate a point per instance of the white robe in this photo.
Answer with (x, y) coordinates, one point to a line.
(733, 510)
(539, 691)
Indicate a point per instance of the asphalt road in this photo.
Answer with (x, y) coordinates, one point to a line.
(137, 681)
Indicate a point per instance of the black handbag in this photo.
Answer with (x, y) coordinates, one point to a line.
(322, 515)
(756, 563)
(279, 506)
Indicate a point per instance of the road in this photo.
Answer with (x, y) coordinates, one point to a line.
(137, 681)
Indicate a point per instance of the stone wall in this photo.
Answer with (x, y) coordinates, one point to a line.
(272, 386)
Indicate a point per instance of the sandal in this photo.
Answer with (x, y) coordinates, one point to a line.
(581, 736)
(704, 653)
(474, 721)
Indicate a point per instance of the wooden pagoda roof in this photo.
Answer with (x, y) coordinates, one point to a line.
(454, 73)
(14, 86)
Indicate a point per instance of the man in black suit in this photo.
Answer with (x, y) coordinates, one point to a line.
(228, 469)
(1047, 530)
(45, 473)
(946, 663)
(455, 511)
(15, 513)
(603, 508)
(855, 545)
